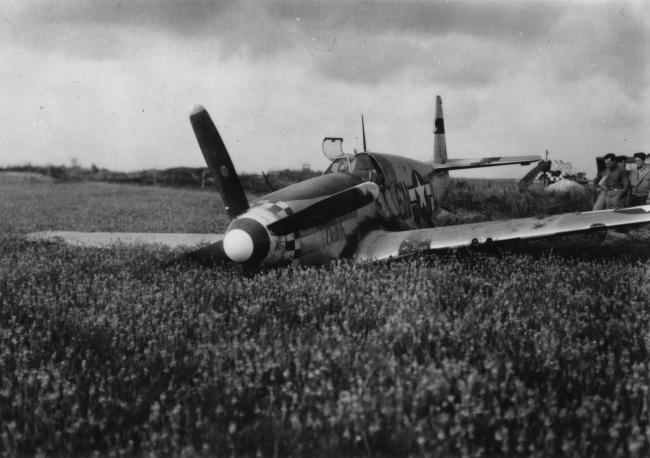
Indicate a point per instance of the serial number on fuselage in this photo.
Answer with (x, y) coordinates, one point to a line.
(335, 230)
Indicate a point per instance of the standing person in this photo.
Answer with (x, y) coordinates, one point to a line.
(599, 181)
(613, 185)
(639, 181)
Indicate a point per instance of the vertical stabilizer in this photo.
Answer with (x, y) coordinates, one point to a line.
(439, 144)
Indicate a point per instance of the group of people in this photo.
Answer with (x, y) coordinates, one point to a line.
(619, 187)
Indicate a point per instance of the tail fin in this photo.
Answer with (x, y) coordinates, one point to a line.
(218, 160)
(439, 144)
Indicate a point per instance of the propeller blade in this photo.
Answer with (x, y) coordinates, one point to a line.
(218, 160)
(209, 255)
(331, 207)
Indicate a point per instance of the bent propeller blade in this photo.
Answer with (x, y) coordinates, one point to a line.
(218, 160)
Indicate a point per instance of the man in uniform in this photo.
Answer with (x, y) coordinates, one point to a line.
(613, 185)
(639, 181)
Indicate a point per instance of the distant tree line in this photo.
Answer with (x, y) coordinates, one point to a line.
(199, 177)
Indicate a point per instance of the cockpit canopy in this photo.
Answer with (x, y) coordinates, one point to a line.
(360, 165)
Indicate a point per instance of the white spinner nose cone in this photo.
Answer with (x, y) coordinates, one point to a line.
(238, 245)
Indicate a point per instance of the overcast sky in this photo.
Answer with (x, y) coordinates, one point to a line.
(111, 82)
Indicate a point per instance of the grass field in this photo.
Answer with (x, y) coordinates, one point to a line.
(540, 350)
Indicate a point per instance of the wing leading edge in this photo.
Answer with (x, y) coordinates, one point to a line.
(383, 245)
(106, 239)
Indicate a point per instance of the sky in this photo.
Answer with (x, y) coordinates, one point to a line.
(111, 83)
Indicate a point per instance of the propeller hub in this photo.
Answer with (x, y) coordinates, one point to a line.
(247, 240)
(238, 245)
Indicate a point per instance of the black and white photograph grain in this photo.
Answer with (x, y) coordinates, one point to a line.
(337, 228)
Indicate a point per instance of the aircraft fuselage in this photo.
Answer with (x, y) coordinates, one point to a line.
(409, 193)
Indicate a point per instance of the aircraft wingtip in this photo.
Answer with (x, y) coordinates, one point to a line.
(196, 109)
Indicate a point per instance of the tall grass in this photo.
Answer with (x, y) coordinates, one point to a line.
(535, 351)
(482, 202)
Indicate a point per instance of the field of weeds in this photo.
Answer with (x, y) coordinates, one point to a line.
(538, 350)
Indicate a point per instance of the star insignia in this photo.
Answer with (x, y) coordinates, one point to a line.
(420, 193)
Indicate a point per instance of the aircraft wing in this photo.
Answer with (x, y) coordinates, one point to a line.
(383, 244)
(457, 164)
(206, 248)
(106, 239)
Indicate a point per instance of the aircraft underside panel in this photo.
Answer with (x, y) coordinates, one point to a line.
(383, 245)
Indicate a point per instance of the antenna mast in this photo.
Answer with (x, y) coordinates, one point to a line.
(363, 133)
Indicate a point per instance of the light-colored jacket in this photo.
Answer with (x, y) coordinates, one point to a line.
(640, 181)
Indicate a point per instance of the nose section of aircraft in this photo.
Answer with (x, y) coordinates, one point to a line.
(238, 245)
(247, 240)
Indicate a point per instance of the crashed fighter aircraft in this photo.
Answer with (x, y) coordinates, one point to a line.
(367, 206)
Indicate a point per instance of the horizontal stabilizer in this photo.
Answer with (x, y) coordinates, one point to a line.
(108, 239)
(383, 245)
(331, 207)
(473, 163)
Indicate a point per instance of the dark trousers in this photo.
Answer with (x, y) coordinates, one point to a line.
(633, 200)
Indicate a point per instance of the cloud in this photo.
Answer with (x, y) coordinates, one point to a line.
(486, 19)
(115, 80)
(455, 60)
(185, 17)
(261, 29)
(604, 39)
(190, 17)
(238, 26)
(362, 42)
